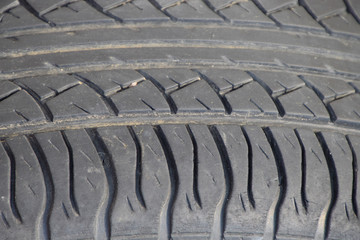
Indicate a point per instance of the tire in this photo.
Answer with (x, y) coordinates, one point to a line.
(154, 119)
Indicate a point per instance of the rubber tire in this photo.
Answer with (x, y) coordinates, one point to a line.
(155, 119)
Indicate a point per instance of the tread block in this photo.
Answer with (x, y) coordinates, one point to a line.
(239, 204)
(58, 158)
(193, 10)
(155, 184)
(277, 83)
(246, 12)
(292, 214)
(19, 18)
(19, 108)
(76, 12)
(226, 80)
(347, 109)
(30, 192)
(303, 103)
(329, 89)
(211, 181)
(138, 10)
(128, 207)
(8, 218)
(111, 82)
(185, 155)
(344, 223)
(296, 17)
(77, 101)
(271, 6)
(324, 9)
(342, 24)
(251, 98)
(144, 97)
(7, 88)
(265, 181)
(49, 86)
(317, 189)
(89, 182)
(49, 5)
(198, 96)
(172, 79)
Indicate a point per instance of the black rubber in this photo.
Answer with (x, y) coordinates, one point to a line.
(179, 119)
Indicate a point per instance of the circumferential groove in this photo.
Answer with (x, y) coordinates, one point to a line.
(218, 228)
(138, 168)
(73, 201)
(195, 167)
(13, 205)
(43, 231)
(272, 222)
(166, 212)
(324, 220)
(103, 215)
(304, 200)
(250, 168)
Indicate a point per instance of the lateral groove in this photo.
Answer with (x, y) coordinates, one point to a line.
(73, 200)
(43, 231)
(324, 219)
(355, 177)
(304, 200)
(250, 168)
(272, 221)
(165, 227)
(218, 228)
(138, 169)
(195, 166)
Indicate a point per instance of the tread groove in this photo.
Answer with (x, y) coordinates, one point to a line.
(355, 177)
(218, 227)
(195, 167)
(43, 231)
(73, 200)
(138, 168)
(272, 221)
(304, 200)
(165, 227)
(324, 219)
(250, 168)
(103, 215)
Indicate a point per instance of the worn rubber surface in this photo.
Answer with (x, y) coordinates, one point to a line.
(170, 119)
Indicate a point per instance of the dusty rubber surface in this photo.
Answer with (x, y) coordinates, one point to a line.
(179, 119)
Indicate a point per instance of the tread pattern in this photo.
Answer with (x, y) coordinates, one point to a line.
(336, 17)
(162, 91)
(173, 171)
